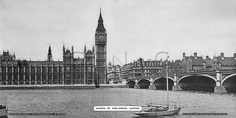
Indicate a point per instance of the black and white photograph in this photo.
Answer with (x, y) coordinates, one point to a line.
(117, 58)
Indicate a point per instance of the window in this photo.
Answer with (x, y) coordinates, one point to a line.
(55, 69)
(67, 69)
(50, 69)
(32, 69)
(38, 69)
(15, 69)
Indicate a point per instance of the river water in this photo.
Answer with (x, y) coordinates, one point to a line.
(80, 103)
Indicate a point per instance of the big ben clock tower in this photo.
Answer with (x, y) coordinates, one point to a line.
(101, 52)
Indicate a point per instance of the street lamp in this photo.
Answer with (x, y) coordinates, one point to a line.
(160, 53)
(167, 83)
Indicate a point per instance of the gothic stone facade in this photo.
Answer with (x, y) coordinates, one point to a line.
(88, 70)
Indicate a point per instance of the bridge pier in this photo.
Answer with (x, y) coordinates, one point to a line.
(152, 86)
(126, 86)
(176, 87)
(219, 88)
(136, 86)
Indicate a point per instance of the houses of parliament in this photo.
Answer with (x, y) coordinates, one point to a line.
(88, 70)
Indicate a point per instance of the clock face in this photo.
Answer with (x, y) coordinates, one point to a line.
(100, 37)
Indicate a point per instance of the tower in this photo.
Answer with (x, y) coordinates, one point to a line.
(68, 61)
(49, 54)
(101, 52)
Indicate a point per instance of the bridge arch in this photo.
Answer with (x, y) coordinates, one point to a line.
(164, 77)
(160, 83)
(131, 83)
(230, 83)
(204, 75)
(144, 83)
(143, 79)
(198, 82)
(227, 77)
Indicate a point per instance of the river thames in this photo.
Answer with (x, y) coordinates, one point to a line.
(80, 103)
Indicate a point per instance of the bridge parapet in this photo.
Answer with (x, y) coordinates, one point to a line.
(226, 72)
(150, 78)
(211, 73)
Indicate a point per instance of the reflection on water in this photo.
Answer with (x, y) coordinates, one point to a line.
(80, 103)
(149, 117)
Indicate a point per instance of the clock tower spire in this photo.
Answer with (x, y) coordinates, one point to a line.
(100, 27)
(101, 52)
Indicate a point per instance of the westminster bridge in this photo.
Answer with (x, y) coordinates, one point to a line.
(213, 81)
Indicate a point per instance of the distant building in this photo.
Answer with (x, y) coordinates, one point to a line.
(149, 68)
(175, 67)
(114, 73)
(225, 63)
(197, 63)
(126, 71)
(192, 63)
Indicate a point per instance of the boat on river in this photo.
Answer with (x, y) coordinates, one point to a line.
(3, 111)
(159, 110)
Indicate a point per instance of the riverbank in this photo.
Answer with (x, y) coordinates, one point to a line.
(48, 87)
(51, 87)
(112, 86)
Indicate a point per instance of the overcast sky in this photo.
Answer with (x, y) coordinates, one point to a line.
(140, 27)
